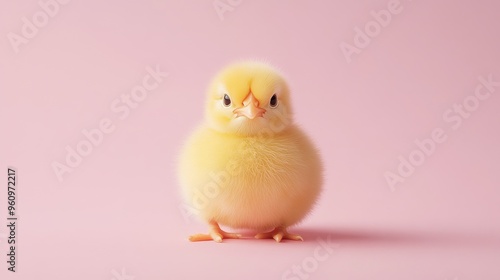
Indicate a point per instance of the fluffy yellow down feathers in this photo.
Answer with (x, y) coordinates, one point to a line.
(247, 166)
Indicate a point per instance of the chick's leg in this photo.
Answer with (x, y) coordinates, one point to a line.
(215, 233)
(278, 234)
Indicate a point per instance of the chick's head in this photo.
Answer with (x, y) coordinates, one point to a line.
(249, 98)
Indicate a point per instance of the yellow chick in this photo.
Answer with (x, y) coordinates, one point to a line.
(248, 166)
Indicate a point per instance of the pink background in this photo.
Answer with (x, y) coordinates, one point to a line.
(120, 208)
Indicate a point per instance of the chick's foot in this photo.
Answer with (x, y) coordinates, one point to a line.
(278, 234)
(215, 233)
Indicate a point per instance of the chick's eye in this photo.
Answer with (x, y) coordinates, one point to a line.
(274, 101)
(226, 101)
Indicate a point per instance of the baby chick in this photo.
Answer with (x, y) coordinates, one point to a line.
(248, 166)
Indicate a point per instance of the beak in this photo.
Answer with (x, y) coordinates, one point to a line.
(250, 108)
